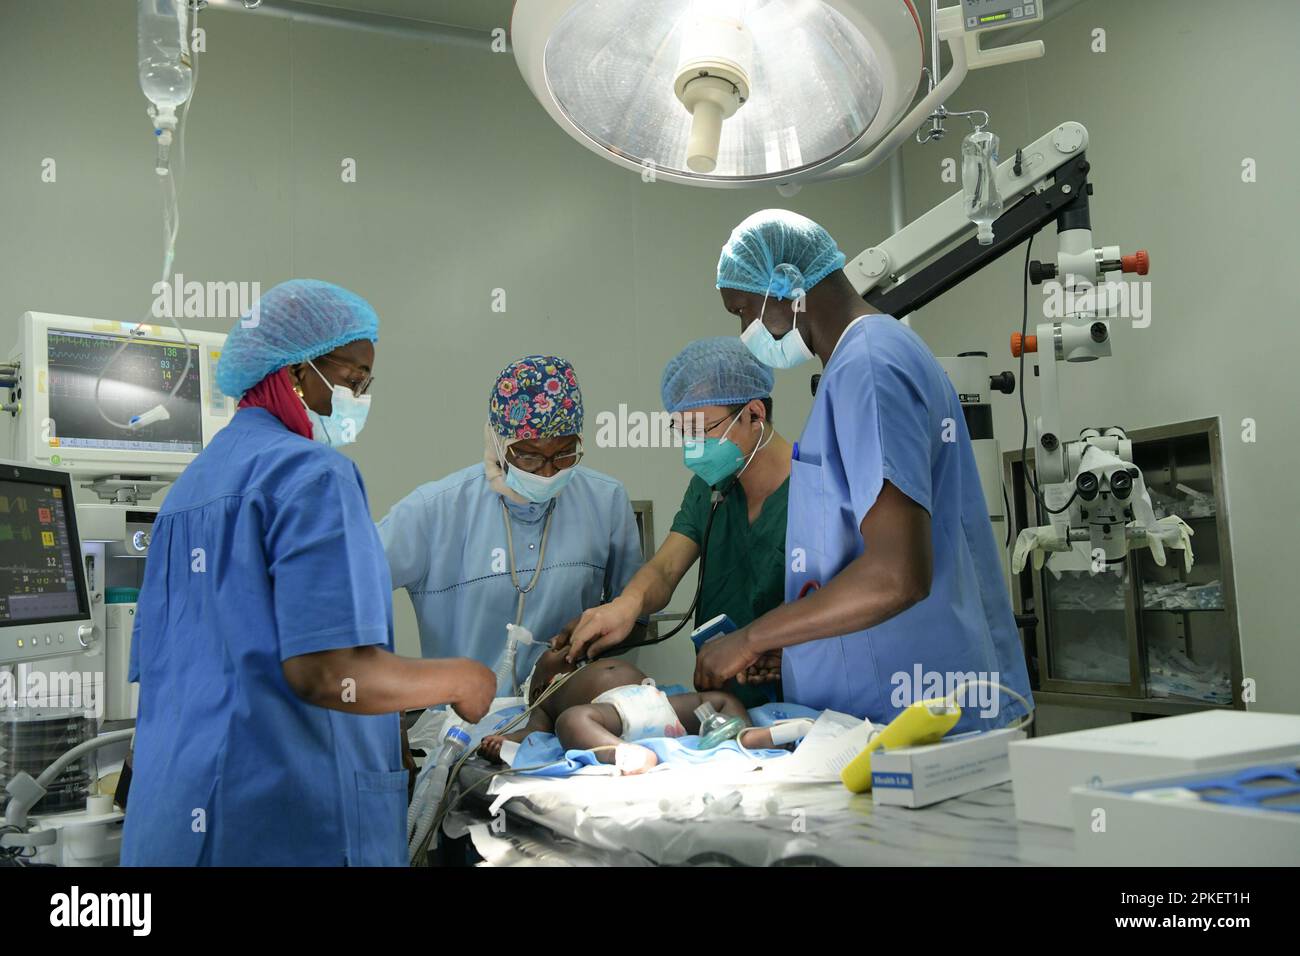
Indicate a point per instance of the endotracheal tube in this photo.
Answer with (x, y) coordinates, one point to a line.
(168, 77)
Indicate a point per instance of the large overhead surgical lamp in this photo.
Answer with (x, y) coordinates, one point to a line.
(731, 93)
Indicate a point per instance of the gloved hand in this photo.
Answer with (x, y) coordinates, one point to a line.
(1039, 541)
(1170, 532)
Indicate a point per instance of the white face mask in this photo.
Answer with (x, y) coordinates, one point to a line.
(534, 488)
(346, 419)
(788, 351)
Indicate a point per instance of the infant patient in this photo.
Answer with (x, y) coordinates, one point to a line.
(607, 705)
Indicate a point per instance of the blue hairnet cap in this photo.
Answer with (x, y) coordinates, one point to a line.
(719, 371)
(777, 252)
(297, 320)
(536, 397)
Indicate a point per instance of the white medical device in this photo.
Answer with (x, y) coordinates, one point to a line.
(975, 384)
(116, 476)
(45, 608)
(1094, 494)
(58, 421)
(730, 93)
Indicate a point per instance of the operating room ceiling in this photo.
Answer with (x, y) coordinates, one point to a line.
(475, 14)
(486, 14)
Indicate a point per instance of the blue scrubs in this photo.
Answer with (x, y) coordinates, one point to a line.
(446, 545)
(263, 551)
(885, 411)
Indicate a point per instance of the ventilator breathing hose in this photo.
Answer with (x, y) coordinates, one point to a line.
(437, 812)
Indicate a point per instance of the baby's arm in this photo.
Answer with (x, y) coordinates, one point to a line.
(538, 722)
(592, 726)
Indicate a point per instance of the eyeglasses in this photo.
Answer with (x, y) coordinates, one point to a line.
(690, 433)
(359, 381)
(532, 462)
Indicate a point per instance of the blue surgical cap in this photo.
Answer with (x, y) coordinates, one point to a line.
(777, 252)
(297, 320)
(720, 371)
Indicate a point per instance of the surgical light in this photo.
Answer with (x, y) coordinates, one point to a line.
(721, 92)
(731, 93)
(713, 76)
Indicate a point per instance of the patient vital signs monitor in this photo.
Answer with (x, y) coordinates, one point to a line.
(44, 604)
(63, 425)
(79, 501)
(142, 377)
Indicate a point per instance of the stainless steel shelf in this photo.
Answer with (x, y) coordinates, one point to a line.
(1163, 706)
(1191, 453)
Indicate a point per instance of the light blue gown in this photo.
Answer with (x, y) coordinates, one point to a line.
(446, 545)
(885, 411)
(263, 551)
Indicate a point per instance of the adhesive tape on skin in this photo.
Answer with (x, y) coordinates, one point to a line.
(789, 731)
(509, 750)
(629, 758)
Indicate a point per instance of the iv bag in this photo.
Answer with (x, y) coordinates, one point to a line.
(165, 70)
(979, 164)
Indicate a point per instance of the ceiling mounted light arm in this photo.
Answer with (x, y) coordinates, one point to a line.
(967, 54)
(735, 93)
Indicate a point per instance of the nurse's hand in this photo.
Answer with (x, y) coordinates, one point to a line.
(476, 687)
(724, 658)
(599, 629)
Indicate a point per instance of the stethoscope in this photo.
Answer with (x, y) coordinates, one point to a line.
(523, 592)
(541, 557)
(719, 495)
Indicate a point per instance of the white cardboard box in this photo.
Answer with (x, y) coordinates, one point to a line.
(920, 776)
(1045, 768)
(1134, 825)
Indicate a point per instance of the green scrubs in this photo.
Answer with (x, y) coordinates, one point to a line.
(745, 572)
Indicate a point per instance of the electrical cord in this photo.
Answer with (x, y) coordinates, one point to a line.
(420, 856)
(981, 682)
(1006, 503)
(15, 856)
(719, 497)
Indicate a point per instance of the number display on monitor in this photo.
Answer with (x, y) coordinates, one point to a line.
(142, 377)
(38, 574)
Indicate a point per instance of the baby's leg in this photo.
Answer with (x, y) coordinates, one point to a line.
(589, 726)
(724, 703)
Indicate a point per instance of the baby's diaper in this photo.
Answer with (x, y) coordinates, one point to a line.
(644, 710)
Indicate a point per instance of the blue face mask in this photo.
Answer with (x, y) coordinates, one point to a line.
(713, 459)
(786, 352)
(345, 421)
(716, 459)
